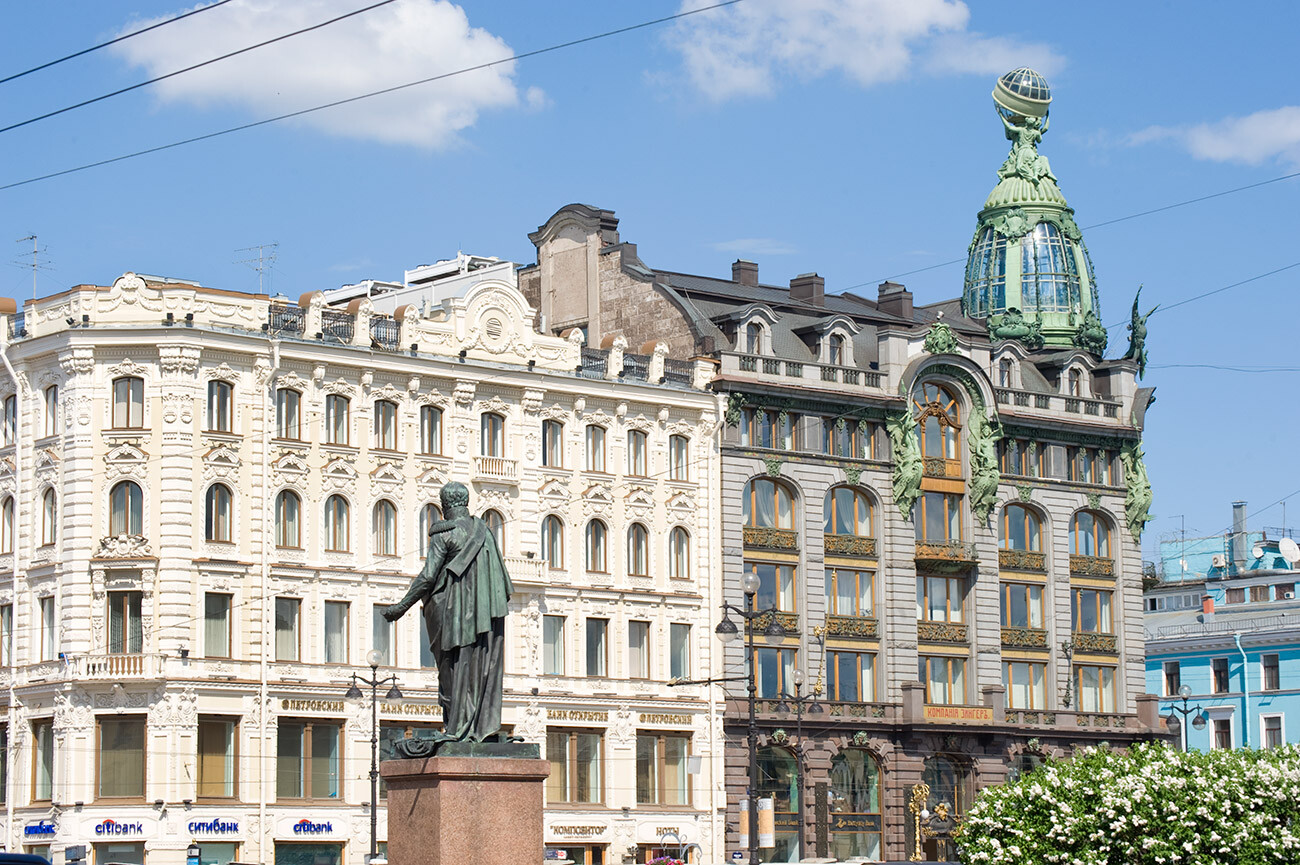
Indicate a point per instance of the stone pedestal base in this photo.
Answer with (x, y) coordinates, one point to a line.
(454, 810)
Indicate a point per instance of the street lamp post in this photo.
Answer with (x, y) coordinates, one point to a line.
(373, 658)
(1181, 726)
(814, 708)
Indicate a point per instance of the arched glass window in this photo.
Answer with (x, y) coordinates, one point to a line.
(835, 350)
(679, 554)
(753, 338)
(221, 406)
(595, 547)
(948, 782)
(638, 550)
(848, 512)
(383, 529)
(492, 435)
(553, 542)
(385, 424)
(497, 527)
(429, 514)
(767, 505)
(288, 526)
(337, 530)
(126, 509)
(52, 410)
(778, 779)
(1021, 529)
(1090, 535)
(1075, 383)
(986, 276)
(679, 458)
(7, 525)
(939, 421)
(1049, 273)
(854, 790)
(49, 518)
(217, 513)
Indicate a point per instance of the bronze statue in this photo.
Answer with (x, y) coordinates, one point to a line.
(464, 587)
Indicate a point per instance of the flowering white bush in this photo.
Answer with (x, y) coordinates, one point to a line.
(1151, 805)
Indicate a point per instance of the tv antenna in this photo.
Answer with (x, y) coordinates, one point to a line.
(37, 263)
(261, 262)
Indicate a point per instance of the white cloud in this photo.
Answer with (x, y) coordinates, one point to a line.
(755, 246)
(1265, 136)
(743, 50)
(395, 44)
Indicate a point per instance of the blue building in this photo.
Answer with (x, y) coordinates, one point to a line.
(1232, 640)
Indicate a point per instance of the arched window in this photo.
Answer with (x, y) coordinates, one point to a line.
(429, 514)
(595, 547)
(497, 527)
(52, 410)
(778, 779)
(492, 435)
(835, 354)
(854, 790)
(1090, 535)
(753, 338)
(939, 421)
(679, 458)
(338, 411)
(383, 531)
(385, 424)
(221, 406)
(125, 509)
(217, 513)
(337, 530)
(767, 505)
(1075, 383)
(1004, 372)
(288, 404)
(638, 550)
(1021, 529)
(288, 525)
(553, 542)
(679, 554)
(848, 512)
(7, 525)
(49, 518)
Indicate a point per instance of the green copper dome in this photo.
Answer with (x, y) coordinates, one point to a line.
(1028, 273)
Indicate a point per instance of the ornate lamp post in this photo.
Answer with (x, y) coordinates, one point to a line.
(1181, 726)
(394, 695)
(814, 708)
(1067, 649)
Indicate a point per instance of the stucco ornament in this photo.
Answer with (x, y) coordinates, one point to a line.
(1091, 335)
(906, 449)
(1137, 335)
(940, 339)
(984, 474)
(1137, 499)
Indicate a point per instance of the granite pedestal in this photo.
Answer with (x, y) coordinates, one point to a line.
(458, 808)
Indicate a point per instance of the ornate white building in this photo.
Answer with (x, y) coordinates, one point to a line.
(205, 495)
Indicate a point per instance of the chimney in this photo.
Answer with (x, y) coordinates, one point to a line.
(1207, 605)
(1238, 546)
(744, 272)
(895, 299)
(808, 287)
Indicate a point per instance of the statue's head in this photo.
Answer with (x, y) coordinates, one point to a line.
(454, 495)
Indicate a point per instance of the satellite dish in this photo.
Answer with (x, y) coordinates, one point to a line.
(1289, 550)
(1258, 552)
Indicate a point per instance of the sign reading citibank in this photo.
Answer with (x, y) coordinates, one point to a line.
(961, 714)
(120, 828)
(116, 828)
(334, 826)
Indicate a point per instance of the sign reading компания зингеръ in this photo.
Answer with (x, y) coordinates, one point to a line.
(960, 714)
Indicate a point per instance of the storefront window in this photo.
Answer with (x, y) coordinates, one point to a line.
(118, 854)
(308, 854)
(218, 853)
(855, 802)
(778, 779)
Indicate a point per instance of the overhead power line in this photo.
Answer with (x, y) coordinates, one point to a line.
(128, 89)
(121, 38)
(256, 123)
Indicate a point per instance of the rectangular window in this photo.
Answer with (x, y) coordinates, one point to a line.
(636, 453)
(121, 757)
(336, 632)
(597, 653)
(4, 764)
(940, 599)
(221, 406)
(338, 411)
(381, 633)
(768, 428)
(661, 776)
(852, 677)
(576, 766)
(216, 758)
(307, 760)
(938, 517)
(1258, 594)
(1090, 611)
(10, 434)
(944, 678)
(1022, 605)
(1236, 596)
(1273, 731)
(1015, 457)
(385, 424)
(679, 651)
(1284, 591)
(1096, 688)
(286, 628)
(553, 444)
(553, 645)
(125, 633)
(128, 403)
(48, 651)
(775, 671)
(52, 410)
(287, 404)
(850, 592)
(844, 437)
(216, 625)
(678, 458)
(6, 635)
(1272, 678)
(1025, 685)
(42, 761)
(775, 585)
(638, 649)
(1173, 678)
(1221, 729)
(1219, 673)
(430, 430)
(595, 448)
(492, 435)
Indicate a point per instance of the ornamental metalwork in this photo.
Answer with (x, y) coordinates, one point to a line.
(771, 539)
(946, 551)
(937, 467)
(852, 626)
(1090, 719)
(788, 621)
(941, 632)
(1095, 643)
(850, 545)
(1025, 638)
(855, 710)
(1022, 560)
(1023, 716)
(1092, 566)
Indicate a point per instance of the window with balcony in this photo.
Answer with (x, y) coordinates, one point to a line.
(937, 517)
(595, 441)
(9, 426)
(216, 758)
(850, 592)
(49, 518)
(1090, 535)
(940, 599)
(338, 419)
(496, 525)
(944, 678)
(385, 425)
(381, 636)
(221, 406)
(7, 525)
(42, 761)
(577, 766)
(846, 437)
(595, 545)
(1222, 682)
(852, 677)
(769, 428)
(553, 645)
(288, 409)
(336, 632)
(1095, 687)
(679, 554)
(776, 585)
(126, 509)
(48, 636)
(1021, 529)
(775, 671)
(938, 417)
(553, 542)
(1090, 611)
(287, 611)
(638, 649)
(679, 650)
(1271, 671)
(121, 757)
(679, 458)
(1021, 457)
(849, 512)
(125, 632)
(337, 529)
(216, 625)
(492, 435)
(597, 647)
(661, 772)
(1022, 605)
(430, 430)
(553, 444)
(217, 514)
(636, 454)
(767, 504)
(384, 528)
(307, 760)
(638, 550)
(288, 527)
(1025, 684)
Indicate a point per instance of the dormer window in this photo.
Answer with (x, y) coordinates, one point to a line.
(1004, 372)
(1075, 383)
(753, 338)
(835, 350)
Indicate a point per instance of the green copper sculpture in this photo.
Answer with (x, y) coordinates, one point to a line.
(1010, 325)
(1137, 498)
(984, 473)
(906, 448)
(1024, 160)
(464, 587)
(1091, 335)
(940, 339)
(1137, 335)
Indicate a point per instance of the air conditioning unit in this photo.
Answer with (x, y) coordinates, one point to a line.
(1290, 596)
(1218, 560)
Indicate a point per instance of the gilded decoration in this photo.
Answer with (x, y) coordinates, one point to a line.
(788, 621)
(946, 551)
(850, 545)
(772, 539)
(1095, 643)
(1092, 566)
(852, 626)
(935, 467)
(1026, 638)
(1022, 560)
(941, 632)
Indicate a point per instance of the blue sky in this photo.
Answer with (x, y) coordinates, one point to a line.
(855, 138)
